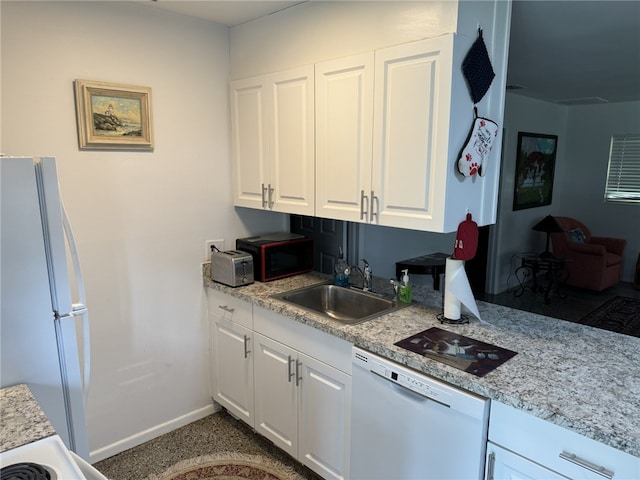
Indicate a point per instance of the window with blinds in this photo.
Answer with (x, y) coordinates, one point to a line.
(623, 175)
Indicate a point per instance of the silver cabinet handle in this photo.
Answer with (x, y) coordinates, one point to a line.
(290, 372)
(226, 309)
(374, 210)
(264, 196)
(271, 190)
(592, 467)
(491, 465)
(363, 213)
(246, 349)
(298, 370)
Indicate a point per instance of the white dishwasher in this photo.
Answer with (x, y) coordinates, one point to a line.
(408, 426)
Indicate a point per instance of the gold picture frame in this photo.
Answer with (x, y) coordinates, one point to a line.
(113, 116)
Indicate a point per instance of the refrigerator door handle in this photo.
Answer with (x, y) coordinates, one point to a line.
(79, 309)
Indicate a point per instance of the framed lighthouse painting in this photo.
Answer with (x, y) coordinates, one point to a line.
(113, 116)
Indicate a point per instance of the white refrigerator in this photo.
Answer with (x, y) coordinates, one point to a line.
(44, 328)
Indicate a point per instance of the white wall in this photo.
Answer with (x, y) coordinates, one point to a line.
(584, 134)
(323, 30)
(584, 174)
(512, 233)
(140, 219)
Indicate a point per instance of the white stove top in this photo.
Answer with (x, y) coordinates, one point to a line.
(51, 453)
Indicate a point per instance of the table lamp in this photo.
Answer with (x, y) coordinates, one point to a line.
(548, 225)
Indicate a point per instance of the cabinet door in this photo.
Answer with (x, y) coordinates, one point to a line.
(324, 418)
(410, 135)
(276, 394)
(564, 451)
(505, 465)
(292, 177)
(344, 130)
(250, 137)
(232, 369)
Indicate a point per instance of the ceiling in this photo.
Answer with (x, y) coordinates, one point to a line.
(571, 52)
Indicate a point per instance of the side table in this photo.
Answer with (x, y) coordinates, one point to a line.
(433, 263)
(531, 265)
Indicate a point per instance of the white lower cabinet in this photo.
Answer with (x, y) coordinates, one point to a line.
(303, 392)
(276, 393)
(522, 446)
(324, 418)
(302, 406)
(290, 382)
(233, 364)
(230, 343)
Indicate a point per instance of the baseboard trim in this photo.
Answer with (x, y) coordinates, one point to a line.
(150, 434)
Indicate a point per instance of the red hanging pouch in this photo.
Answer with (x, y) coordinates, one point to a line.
(466, 240)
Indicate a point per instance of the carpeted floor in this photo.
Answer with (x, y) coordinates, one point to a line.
(216, 433)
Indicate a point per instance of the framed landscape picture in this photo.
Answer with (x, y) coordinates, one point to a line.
(113, 116)
(535, 164)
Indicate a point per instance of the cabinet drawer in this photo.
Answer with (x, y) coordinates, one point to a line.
(225, 306)
(317, 344)
(556, 448)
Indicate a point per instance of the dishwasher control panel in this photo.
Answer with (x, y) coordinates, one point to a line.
(419, 383)
(422, 386)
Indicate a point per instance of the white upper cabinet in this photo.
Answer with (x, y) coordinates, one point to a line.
(272, 123)
(344, 136)
(250, 165)
(410, 136)
(389, 126)
(388, 130)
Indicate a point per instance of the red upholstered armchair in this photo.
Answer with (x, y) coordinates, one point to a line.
(592, 262)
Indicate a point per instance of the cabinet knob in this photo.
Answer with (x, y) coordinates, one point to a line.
(363, 213)
(374, 210)
(491, 465)
(290, 372)
(246, 347)
(271, 190)
(298, 372)
(226, 309)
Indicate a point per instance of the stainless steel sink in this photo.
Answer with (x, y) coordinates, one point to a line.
(345, 305)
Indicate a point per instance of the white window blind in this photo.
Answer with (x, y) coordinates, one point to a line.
(623, 176)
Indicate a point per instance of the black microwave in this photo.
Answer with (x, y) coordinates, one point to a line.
(278, 255)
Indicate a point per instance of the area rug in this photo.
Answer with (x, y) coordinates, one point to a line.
(618, 314)
(228, 466)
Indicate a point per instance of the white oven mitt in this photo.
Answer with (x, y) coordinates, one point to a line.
(474, 155)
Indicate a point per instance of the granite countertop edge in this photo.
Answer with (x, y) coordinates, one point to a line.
(533, 381)
(22, 420)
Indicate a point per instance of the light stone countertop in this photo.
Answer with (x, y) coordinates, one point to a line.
(581, 378)
(22, 420)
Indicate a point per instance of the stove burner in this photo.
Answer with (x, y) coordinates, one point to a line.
(25, 471)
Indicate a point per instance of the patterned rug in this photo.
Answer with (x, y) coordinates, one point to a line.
(618, 314)
(228, 466)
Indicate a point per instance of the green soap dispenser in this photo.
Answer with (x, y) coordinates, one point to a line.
(405, 288)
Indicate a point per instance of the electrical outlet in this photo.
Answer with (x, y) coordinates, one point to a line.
(219, 244)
